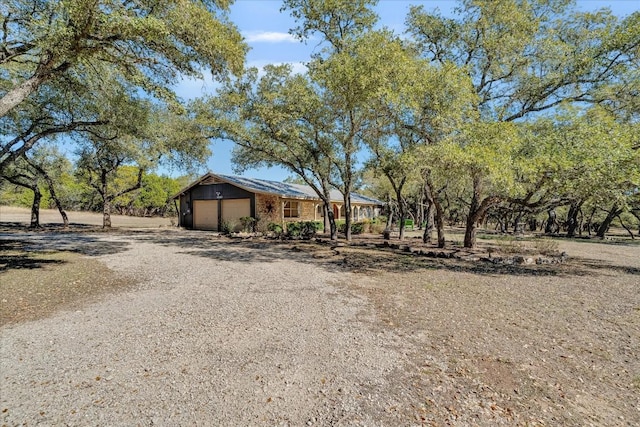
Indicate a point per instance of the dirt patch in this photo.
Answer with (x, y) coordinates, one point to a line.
(495, 349)
(50, 218)
(35, 284)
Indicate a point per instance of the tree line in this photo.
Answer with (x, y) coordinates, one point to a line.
(49, 180)
(510, 110)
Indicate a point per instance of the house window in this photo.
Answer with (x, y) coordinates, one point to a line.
(291, 209)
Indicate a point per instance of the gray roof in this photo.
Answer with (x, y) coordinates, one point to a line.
(282, 189)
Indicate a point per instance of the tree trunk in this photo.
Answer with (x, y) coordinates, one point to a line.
(604, 227)
(325, 217)
(636, 214)
(106, 214)
(329, 216)
(106, 200)
(19, 93)
(552, 226)
(390, 216)
(52, 192)
(518, 227)
(402, 214)
(572, 218)
(439, 217)
(590, 220)
(470, 232)
(428, 226)
(434, 198)
(626, 228)
(347, 216)
(333, 228)
(63, 213)
(477, 211)
(474, 215)
(35, 207)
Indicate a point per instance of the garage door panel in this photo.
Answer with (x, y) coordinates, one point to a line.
(234, 209)
(205, 214)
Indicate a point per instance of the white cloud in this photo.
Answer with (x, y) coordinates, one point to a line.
(269, 37)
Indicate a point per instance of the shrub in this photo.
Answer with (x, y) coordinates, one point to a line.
(377, 227)
(248, 224)
(227, 227)
(275, 228)
(546, 246)
(356, 227)
(380, 220)
(303, 229)
(310, 228)
(293, 229)
(510, 245)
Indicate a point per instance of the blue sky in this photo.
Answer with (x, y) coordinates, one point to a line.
(265, 29)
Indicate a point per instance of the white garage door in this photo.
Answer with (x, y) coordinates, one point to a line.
(234, 209)
(205, 214)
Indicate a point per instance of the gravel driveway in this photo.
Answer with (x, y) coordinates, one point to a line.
(213, 335)
(243, 333)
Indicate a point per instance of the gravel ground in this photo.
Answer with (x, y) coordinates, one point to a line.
(212, 335)
(220, 332)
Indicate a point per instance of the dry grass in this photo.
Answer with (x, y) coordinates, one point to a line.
(36, 284)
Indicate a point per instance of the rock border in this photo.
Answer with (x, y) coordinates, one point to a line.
(454, 254)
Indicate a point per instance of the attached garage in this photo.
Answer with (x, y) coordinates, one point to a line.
(233, 209)
(205, 214)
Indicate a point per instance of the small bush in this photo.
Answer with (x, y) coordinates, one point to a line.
(377, 227)
(356, 227)
(275, 228)
(382, 219)
(227, 227)
(303, 229)
(509, 245)
(546, 246)
(248, 224)
(293, 229)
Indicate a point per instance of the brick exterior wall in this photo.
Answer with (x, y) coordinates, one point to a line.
(307, 212)
(269, 209)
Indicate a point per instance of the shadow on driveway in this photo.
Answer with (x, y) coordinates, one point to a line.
(357, 259)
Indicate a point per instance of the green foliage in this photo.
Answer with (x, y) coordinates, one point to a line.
(275, 228)
(301, 229)
(228, 227)
(248, 224)
(152, 199)
(334, 20)
(15, 195)
(162, 39)
(356, 227)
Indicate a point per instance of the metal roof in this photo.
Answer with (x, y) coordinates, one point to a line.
(282, 189)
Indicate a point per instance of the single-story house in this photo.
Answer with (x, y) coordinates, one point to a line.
(214, 199)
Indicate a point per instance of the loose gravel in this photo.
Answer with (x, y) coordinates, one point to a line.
(212, 335)
(243, 333)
